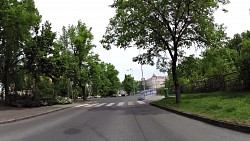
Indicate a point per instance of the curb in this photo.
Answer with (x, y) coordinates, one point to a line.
(241, 128)
(32, 116)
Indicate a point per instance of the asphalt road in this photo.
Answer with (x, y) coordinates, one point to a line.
(115, 119)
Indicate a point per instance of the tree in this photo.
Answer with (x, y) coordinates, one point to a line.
(189, 70)
(76, 45)
(97, 78)
(164, 26)
(106, 81)
(112, 75)
(241, 44)
(218, 61)
(39, 52)
(17, 18)
(128, 84)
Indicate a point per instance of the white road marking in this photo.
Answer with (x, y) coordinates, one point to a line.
(90, 105)
(99, 105)
(141, 102)
(120, 104)
(81, 105)
(110, 104)
(130, 103)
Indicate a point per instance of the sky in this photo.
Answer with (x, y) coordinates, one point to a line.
(96, 14)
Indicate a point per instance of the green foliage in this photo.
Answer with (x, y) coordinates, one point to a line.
(40, 67)
(128, 84)
(160, 91)
(161, 27)
(213, 62)
(227, 106)
(17, 18)
(76, 42)
(107, 81)
(63, 100)
(218, 61)
(241, 44)
(45, 87)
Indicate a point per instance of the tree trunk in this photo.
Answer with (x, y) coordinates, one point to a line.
(83, 92)
(6, 81)
(176, 83)
(36, 89)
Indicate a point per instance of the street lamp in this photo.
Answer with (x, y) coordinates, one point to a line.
(142, 80)
(133, 79)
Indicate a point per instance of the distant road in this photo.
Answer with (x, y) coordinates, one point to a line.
(115, 119)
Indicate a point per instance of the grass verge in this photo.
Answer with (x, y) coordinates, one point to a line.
(227, 106)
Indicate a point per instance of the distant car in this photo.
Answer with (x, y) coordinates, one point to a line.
(113, 95)
(97, 96)
(89, 97)
(124, 94)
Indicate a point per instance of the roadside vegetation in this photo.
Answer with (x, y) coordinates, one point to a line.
(41, 67)
(233, 107)
(163, 29)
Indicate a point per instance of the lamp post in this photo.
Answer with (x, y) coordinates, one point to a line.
(142, 80)
(143, 84)
(133, 79)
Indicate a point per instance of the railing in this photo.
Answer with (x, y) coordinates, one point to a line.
(228, 82)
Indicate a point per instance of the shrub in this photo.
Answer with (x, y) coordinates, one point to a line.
(63, 100)
(160, 91)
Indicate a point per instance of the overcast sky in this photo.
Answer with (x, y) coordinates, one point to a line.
(96, 14)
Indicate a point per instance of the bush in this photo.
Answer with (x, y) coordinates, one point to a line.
(63, 100)
(27, 103)
(31, 101)
(160, 91)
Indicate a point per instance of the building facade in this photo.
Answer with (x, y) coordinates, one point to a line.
(155, 82)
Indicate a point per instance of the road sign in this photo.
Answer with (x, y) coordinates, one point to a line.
(143, 83)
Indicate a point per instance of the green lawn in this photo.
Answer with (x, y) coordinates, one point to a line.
(227, 106)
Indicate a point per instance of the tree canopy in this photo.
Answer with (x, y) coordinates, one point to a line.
(161, 27)
(128, 84)
(17, 18)
(37, 66)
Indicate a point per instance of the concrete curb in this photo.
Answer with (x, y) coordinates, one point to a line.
(32, 116)
(241, 128)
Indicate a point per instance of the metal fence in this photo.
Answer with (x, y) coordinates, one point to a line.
(237, 81)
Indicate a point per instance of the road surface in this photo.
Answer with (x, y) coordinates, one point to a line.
(115, 119)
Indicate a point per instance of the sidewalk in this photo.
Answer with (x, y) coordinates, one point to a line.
(151, 98)
(12, 114)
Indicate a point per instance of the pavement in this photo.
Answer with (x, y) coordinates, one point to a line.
(13, 114)
(115, 119)
(151, 98)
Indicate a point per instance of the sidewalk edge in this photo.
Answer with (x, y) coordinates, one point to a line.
(241, 128)
(32, 116)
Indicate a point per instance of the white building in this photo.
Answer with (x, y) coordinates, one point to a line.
(155, 82)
